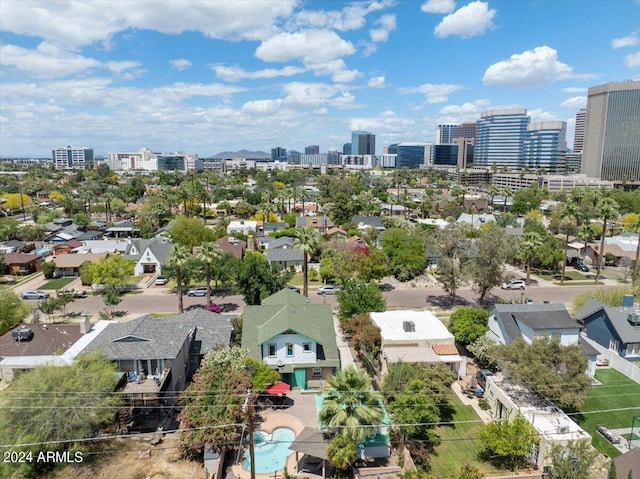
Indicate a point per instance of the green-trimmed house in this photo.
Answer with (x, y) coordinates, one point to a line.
(291, 334)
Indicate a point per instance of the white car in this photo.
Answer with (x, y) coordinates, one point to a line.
(198, 291)
(514, 284)
(36, 294)
(161, 281)
(328, 289)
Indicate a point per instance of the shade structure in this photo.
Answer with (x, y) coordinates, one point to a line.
(278, 388)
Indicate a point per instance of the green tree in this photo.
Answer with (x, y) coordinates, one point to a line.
(48, 269)
(572, 460)
(111, 299)
(482, 349)
(509, 441)
(178, 257)
(350, 408)
(452, 247)
(12, 310)
(190, 232)
(436, 381)
(606, 209)
(112, 271)
(415, 413)
(405, 250)
(467, 471)
(256, 280)
(568, 216)
(341, 452)
(49, 403)
(308, 240)
(208, 254)
(468, 324)
(81, 220)
(48, 306)
(360, 297)
(493, 248)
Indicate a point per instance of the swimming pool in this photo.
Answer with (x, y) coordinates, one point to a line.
(271, 450)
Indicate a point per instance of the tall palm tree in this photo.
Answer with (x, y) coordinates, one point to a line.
(307, 239)
(506, 192)
(107, 198)
(209, 252)
(350, 406)
(528, 244)
(493, 191)
(205, 197)
(178, 257)
(568, 214)
(184, 197)
(607, 209)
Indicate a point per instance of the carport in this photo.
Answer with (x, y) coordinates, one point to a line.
(312, 443)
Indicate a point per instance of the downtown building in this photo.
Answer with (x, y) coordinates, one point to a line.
(612, 132)
(72, 158)
(444, 133)
(500, 137)
(363, 143)
(411, 155)
(545, 146)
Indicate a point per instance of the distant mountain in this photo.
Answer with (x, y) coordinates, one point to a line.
(242, 154)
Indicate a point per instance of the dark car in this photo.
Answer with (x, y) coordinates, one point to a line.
(612, 437)
(581, 267)
(294, 288)
(481, 377)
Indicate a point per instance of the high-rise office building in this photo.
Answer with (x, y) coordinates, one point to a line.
(465, 130)
(578, 137)
(445, 154)
(171, 161)
(612, 132)
(363, 143)
(465, 150)
(444, 133)
(545, 146)
(346, 149)
(278, 154)
(411, 155)
(312, 150)
(72, 158)
(499, 138)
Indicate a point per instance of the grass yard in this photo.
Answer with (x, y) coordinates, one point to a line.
(58, 283)
(616, 392)
(459, 443)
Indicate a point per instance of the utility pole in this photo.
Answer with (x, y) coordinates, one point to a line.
(248, 408)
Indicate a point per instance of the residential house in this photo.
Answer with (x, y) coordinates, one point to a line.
(125, 229)
(118, 246)
(308, 208)
(22, 263)
(476, 220)
(160, 355)
(616, 328)
(285, 258)
(90, 235)
(335, 232)
(233, 245)
(438, 222)
(67, 247)
(393, 210)
(364, 223)
(12, 246)
(508, 322)
(69, 264)
(319, 223)
(628, 464)
(273, 226)
(62, 235)
(245, 227)
(294, 336)
(417, 337)
(149, 254)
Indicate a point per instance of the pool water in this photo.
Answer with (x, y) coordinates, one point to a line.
(271, 450)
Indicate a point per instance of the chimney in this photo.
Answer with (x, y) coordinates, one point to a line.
(85, 325)
(627, 301)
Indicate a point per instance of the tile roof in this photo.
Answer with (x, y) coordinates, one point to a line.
(444, 349)
(20, 258)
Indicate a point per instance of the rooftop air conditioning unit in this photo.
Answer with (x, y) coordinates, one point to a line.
(409, 326)
(563, 429)
(634, 317)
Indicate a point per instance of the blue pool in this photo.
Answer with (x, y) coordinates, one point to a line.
(271, 450)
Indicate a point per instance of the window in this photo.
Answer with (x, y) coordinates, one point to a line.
(272, 350)
(633, 349)
(306, 347)
(289, 349)
(317, 372)
(614, 345)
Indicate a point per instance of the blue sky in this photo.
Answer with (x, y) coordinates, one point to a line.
(204, 76)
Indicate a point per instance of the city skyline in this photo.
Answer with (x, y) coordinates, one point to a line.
(229, 75)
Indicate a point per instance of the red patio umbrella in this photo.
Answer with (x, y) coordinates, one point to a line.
(278, 388)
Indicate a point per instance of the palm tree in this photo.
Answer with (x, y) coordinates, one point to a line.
(107, 198)
(178, 256)
(307, 239)
(493, 191)
(568, 214)
(507, 192)
(209, 252)
(205, 197)
(350, 406)
(607, 208)
(184, 197)
(528, 244)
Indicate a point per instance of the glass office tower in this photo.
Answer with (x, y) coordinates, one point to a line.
(499, 138)
(363, 143)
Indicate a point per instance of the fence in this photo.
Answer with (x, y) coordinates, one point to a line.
(616, 362)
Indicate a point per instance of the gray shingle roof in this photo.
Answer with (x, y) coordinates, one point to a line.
(617, 315)
(532, 315)
(160, 247)
(284, 254)
(162, 338)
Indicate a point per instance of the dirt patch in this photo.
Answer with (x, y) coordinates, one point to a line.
(135, 458)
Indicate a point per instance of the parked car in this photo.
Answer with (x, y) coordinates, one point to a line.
(198, 291)
(514, 284)
(481, 377)
(328, 289)
(161, 281)
(35, 294)
(294, 288)
(581, 267)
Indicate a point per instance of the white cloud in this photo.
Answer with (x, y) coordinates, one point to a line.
(529, 69)
(433, 93)
(262, 107)
(312, 46)
(377, 82)
(630, 40)
(316, 95)
(337, 69)
(351, 17)
(574, 89)
(180, 64)
(384, 25)
(466, 112)
(235, 73)
(575, 102)
(82, 23)
(438, 6)
(468, 21)
(388, 122)
(632, 60)
(538, 114)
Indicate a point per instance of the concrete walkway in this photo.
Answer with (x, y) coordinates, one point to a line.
(346, 358)
(473, 402)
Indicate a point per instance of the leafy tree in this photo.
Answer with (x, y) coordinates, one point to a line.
(553, 370)
(82, 220)
(468, 324)
(509, 441)
(606, 209)
(415, 413)
(256, 280)
(451, 245)
(360, 297)
(12, 310)
(31, 233)
(492, 250)
(189, 232)
(111, 299)
(48, 306)
(435, 382)
(113, 270)
(350, 407)
(49, 403)
(341, 452)
(178, 257)
(572, 460)
(48, 269)
(86, 273)
(405, 250)
(365, 338)
(482, 349)
(308, 240)
(8, 229)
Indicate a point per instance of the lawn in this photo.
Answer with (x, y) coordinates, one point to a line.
(58, 283)
(459, 443)
(616, 392)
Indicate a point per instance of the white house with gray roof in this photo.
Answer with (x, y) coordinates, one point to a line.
(149, 254)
